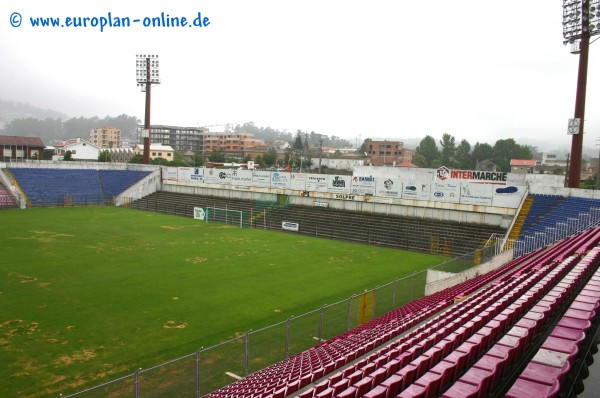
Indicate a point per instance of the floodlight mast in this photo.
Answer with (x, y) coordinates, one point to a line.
(147, 74)
(577, 27)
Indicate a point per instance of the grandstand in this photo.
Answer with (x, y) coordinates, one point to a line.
(59, 187)
(528, 328)
(7, 200)
(409, 233)
(515, 331)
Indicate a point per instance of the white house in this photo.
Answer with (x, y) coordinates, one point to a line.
(347, 162)
(80, 150)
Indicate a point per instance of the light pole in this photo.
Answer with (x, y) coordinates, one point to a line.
(146, 76)
(581, 20)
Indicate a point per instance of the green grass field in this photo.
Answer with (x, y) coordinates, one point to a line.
(90, 294)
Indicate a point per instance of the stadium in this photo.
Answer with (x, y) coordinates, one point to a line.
(443, 282)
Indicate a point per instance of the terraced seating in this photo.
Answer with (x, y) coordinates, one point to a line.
(376, 229)
(7, 200)
(48, 186)
(552, 218)
(435, 346)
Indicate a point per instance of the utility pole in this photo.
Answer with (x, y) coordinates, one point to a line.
(579, 24)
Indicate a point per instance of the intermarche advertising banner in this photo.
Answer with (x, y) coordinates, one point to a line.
(450, 186)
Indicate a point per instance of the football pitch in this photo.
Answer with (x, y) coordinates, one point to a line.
(89, 294)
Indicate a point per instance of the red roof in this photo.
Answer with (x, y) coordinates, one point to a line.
(523, 162)
(406, 163)
(14, 140)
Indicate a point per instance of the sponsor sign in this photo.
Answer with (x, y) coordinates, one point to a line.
(199, 213)
(261, 178)
(445, 192)
(363, 185)
(344, 196)
(388, 187)
(195, 174)
(169, 173)
(507, 196)
(415, 190)
(241, 177)
(298, 181)
(339, 184)
(476, 194)
(290, 226)
(281, 180)
(217, 176)
(316, 183)
(490, 177)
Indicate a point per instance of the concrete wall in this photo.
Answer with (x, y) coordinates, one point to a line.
(453, 212)
(575, 192)
(441, 280)
(146, 186)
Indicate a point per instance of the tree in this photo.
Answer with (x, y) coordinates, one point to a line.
(448, 144)
(298, 145)
(463, 155)
(159, 161)
(482, 152)
(259, 161)
(419, 160)
(104, 156)
(507, 149)
(364, 148)
(217, 156)
(138, 158)
(68, 156)
(270, 158)
(429, 151)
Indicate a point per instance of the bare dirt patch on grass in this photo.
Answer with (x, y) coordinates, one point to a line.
(175, 325)
(196, 260)
(78, 356)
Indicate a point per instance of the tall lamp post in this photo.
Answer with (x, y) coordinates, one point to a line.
(146, 76)
(581, 20)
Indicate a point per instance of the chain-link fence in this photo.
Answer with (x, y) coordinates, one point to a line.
(209, 369)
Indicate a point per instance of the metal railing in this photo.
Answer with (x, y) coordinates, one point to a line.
(562, 229)
(208, 369)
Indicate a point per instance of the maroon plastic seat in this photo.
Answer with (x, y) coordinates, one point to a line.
(393, 384)
(528, 389)
(349, 392)
(377, 392)
(362, 386)
(327, 393)
(543, 373)
(413, 391)
(462, 390)
(432, 382)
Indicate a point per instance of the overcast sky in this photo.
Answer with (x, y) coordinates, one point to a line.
(479, 70)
